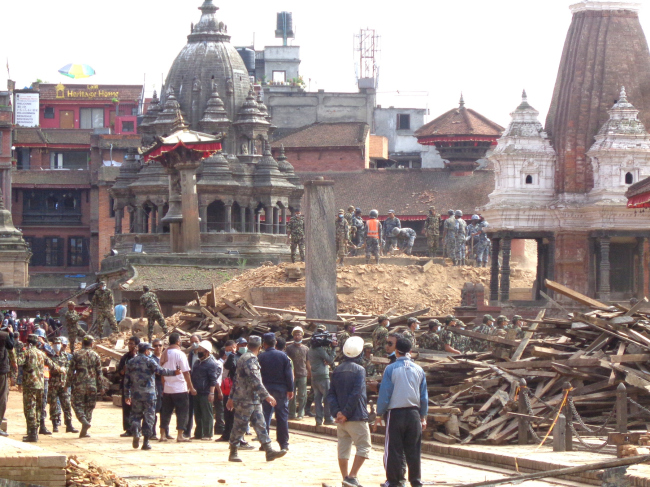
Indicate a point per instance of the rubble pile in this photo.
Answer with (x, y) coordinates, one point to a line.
(579, 360)
(79, 474)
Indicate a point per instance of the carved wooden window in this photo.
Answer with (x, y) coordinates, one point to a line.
(77, 251)
(53, 251)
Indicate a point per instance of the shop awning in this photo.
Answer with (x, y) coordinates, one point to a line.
(641, 200)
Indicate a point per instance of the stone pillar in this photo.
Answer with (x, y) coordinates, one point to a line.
(252, 224)
(190, 208)
(258, 222)
(604, 289)
(268, 220)
(139, 220)
(228, 217)
(541, 271)
(505, 269)
(283, 221)
(118, 221)
(494, 270)
(242, 219)
(159, 217)
(276, 220)
(640, 283)
(550, 267)
(320, 261)
(203, 214)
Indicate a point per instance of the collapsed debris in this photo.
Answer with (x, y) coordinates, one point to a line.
(78, 474)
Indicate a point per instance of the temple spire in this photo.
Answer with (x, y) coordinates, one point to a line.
(461, 103)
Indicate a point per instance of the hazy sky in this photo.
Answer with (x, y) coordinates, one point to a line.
(430, 50)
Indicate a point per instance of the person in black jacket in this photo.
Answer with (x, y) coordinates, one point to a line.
(348, 403)
(277, 377)
(205, 378)
(6, 344)
(121, 371)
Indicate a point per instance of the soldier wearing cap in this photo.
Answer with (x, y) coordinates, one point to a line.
(430, 340)
(517, 324)
(502, 322)
(449, 235)
(298, 353)
(391, 222)
(296, 235)
(366, 360)
(450, 340)
(349, 215)
(412, 325)
(58, 390)
(485, 328)
(432, 231)
(342, 229)
(33, 362)
(85, 378)
(245, 399)
(140, 392)
(356, 230)
(151, 305)
(379, 336)
(72, 325)
(348, 330)
(103, 305)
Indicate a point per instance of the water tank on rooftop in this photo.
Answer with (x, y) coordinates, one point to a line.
(248, 55)
(284, 29)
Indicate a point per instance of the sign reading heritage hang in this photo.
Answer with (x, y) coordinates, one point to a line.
(26, 109)
(89, 92)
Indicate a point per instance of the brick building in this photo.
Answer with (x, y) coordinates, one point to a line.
(63, 168)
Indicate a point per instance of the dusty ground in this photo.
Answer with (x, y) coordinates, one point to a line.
(311, 461)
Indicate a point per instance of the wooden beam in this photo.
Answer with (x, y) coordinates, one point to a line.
(574, 295)
(527, 336)
(619, 358)
(636, 307)
(546, 364)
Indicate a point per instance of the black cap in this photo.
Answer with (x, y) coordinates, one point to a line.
(144, 346)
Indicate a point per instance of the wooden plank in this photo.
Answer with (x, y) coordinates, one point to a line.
(119, 344)
(630, 357)
(527, 336)
(636, 307)
(404, 317)
(280, 310)
(574, 295)
(494, 397)
(443, 438)
(545, 364)
(488, 425)
(108, 352)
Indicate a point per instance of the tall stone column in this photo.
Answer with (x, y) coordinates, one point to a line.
(242, 219)
(320, 261)
(283, 221)
(118, 221)
(191, 231)
(140, 220)
(268, 220)
(228, 217)
(159, 217)
(605, 289)
(505, 269)
(258, 222)
(203, 214)
(640, 285)
(251, 220)
(276, 220)
(494, 270)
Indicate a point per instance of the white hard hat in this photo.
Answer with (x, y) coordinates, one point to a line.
(297, 328)
(353, 347)
(206, 345)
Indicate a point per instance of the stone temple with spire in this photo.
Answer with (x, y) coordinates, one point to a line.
(243, 194)
(564, 185)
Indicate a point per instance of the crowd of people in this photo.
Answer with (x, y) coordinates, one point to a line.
(464, 244)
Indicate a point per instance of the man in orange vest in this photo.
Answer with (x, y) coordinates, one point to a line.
(372, 232)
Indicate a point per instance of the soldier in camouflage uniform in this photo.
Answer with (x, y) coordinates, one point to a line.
(460, 235)
(451, 342)
(449, 235)
(85, 377)
(296, 233)
(379, 336)
(472, 234)
(517, 323)
(485, 328)
(349, 215)
(389, 223)
(432, 231)
(72, 325)
(483, 245)
(58, 390)
(356, 230)
(431, 340)
(348, 330)
(342, 237)
(103, 306)
(140, 393)
(14, 353)
(412, 325)
(246, 395)
(405, 239)
(366, 360)
(33, 362)
(151, 305)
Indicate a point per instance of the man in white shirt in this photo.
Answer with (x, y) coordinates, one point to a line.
(176, 389)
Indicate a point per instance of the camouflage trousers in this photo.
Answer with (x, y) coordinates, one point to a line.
(482, 252)
(102, 316)
(450, 247)
(32, 406)
(341, 247)
(245, 413)
(459, 253)
(391, 242)
(372, 247)
(432, 245)
(152, 318)
(72, 338)
(83, 403)
(300, 246)
(58, 398)
(143, 415)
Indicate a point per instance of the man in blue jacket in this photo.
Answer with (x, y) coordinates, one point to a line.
(404, 401)
(348, 403)
(277, 377)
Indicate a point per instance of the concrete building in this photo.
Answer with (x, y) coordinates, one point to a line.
(399, 125)
(565, 187)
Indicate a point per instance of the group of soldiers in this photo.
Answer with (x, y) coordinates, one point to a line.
(462, 243)
(444, 337)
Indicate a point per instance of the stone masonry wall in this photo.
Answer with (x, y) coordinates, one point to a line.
(31, 465)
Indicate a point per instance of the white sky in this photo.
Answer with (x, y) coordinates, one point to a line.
(431, 50)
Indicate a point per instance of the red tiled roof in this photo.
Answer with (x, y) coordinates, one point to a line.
(410, 192)
(460, 121)
(339, 134)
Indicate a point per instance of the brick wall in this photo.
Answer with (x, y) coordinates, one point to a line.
(341, 159)
(106, 223)
(572, 261)
(31, 465)
(278, 297)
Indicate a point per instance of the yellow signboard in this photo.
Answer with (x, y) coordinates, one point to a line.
(91, 92)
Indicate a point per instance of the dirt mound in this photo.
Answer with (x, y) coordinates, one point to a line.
(377, 288)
